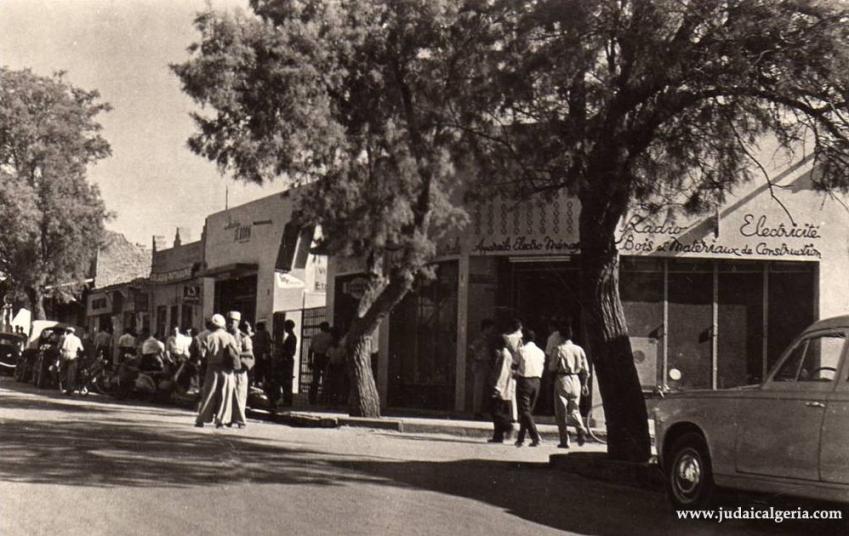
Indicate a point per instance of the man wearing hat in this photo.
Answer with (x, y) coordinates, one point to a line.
(218, 348)
(240, 376)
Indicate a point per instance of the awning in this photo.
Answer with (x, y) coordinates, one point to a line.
(230, 271)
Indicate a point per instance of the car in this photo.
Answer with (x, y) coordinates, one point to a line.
(787, 435)
(11, 345)
(26, 362)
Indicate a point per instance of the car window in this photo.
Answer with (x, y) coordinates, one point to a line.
(790, 367)
(813, 359)
(822, 358)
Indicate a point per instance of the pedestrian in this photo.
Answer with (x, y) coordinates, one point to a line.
(528, 377)
(103, 342)
(513, 338)
(284, 364)
(126, 345)
(152, 352)
(337, 369)
(69, 350)
(221, 354)
(480, 352)
(177, 346)
(241, 379)
(502, 392)
(262, 352)
(571, 373)
(319, 345)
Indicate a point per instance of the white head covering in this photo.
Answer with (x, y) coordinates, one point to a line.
(218, 321)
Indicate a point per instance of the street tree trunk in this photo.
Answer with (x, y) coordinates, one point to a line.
(609, 346)
(378, 302)
(36, 301)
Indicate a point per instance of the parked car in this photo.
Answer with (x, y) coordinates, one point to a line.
(788, 435)
(26, 362)
(11, 345)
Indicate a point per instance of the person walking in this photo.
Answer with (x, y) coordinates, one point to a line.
(480, 352)
(513, 338)
(319, 346)
(240, 375)
(571, 373)
(502, 389)
(528, 377)
(69, 350)
(219, 350)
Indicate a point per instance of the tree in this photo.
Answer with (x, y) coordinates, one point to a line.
(347, 98)
(51, 217)
(628, 103)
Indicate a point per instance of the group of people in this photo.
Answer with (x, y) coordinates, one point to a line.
(508, 367)
(327, 363)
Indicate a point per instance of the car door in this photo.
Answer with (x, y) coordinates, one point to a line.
(778, 433)
(834, 446)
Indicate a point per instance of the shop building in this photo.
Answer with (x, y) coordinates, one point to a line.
(710, 300)
(258, 262)
(118, 297)
(176, 288)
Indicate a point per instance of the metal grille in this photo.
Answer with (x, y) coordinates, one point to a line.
(312, 318)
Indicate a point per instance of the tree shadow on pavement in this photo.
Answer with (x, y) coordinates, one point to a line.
(111, 452)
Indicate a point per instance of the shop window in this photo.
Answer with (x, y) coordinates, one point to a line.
(186, 318)
(690, 320)
(791, 304)
(641, 293)
(161, 321)
(740, 324)
(423, 343)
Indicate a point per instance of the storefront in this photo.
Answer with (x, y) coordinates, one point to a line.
(259, 263)
(176, 291)
(710, 300)
(121, 306)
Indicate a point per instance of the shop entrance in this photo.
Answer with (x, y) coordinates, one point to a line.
(541, 294)
(237, 294)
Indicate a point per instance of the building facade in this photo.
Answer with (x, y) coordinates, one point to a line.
(711, 301)
(176, 288)
(258, 262)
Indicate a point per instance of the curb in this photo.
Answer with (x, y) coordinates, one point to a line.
(598, 466)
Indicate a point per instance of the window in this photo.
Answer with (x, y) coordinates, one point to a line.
(814, 359)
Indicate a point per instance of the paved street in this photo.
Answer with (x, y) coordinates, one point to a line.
(93, 466)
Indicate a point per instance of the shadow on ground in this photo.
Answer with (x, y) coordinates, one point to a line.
(113, 453)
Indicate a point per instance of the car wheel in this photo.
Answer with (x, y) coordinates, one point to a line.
(689, 477)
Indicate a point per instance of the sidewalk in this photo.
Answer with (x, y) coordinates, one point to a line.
(410, 422)
(589, 462)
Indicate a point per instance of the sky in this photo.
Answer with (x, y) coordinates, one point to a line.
(152, 182)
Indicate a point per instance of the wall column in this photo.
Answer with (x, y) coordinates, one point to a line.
(462, 333)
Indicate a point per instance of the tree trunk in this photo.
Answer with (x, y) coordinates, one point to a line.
(36, 302)
(364, 400)
(609, 346)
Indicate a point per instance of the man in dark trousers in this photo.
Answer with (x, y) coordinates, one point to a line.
(319, 345)
(284, 365)
(529, 369)
(262, 353)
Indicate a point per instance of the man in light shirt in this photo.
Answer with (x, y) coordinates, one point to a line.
(69, 349)
(531, 362)
(571, 373)
(177, 346)
(126, 345)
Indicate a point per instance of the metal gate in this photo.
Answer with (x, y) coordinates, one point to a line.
(311, 319)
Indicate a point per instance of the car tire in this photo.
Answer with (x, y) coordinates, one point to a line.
(689, 476)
